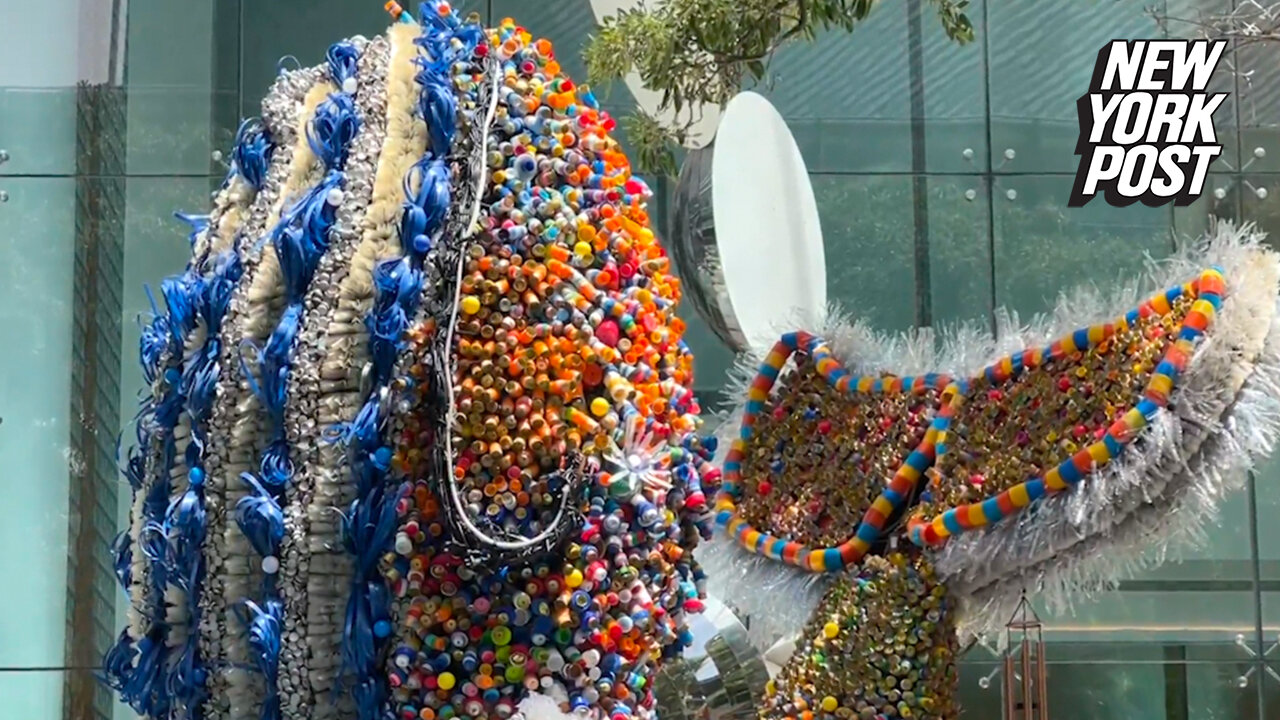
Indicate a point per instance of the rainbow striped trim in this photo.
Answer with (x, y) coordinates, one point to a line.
(827, 559)
(1208, 291)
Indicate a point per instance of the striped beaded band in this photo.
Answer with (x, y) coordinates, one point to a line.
(899, 488)
(1208, 289)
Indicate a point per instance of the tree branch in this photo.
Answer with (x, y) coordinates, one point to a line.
(697, 52)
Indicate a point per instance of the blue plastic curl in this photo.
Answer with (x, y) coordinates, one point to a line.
(219, 287)
(379, 606)
(271, 388)
(371, 468)
(189, 578)
(434, 23)
(117, 663)
(251, 155)
(302, 235)
(184, 530)
(470, 35)
(260, 519)
(362, 434)
(397, 287)
(199, 384)
(270, 385)
(135, 467)
(122, 559)
(275, 470)
(198, 223)
(153, 341)
(358, 650)
(370, 608)
(440, 109)
(343, 62)
(369, 528)
(166, 411)
(153, 545)
(368, 531)
(186, 678)
(427, 209)
(264, 623)
(331, 131)
(438, 104)
(369, 696)
(143, 689)
(439, 32)
(152, 540)
(435, 37)
(182, 297)
(414, 220)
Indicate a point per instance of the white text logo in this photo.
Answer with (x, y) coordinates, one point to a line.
(1146, 124)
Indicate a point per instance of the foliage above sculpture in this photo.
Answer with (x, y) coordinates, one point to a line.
(700, 52)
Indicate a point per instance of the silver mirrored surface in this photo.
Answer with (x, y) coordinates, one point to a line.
(720, 676)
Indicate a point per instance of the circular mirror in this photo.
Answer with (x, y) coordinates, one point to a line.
(746, 238)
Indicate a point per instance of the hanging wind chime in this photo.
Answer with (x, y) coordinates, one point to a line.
(1026, 693)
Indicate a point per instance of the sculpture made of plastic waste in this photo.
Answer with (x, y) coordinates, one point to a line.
(888, 500)
(419, 438)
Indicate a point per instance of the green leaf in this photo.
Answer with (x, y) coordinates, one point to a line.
(697, 52)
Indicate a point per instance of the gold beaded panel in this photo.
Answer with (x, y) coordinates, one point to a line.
(880, 644)
(819, 457)
(1009, 432)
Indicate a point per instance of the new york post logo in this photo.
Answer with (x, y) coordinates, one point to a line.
(1146, 124)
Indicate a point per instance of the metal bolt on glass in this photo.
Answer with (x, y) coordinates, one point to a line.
(1006, 157)
(4, 156)
(1244, 680)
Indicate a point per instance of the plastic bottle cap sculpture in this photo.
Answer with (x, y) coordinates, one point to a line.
(419, 439)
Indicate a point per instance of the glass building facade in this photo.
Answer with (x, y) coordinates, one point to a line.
(941, 172)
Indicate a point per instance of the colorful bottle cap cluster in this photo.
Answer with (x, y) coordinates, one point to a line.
(566, 344)
(880, 645)
(830, 439)
(1084, 398)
